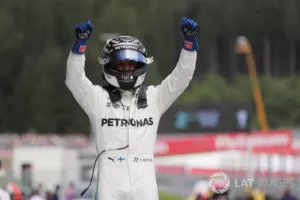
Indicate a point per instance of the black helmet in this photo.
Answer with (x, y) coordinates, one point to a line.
(123, 48)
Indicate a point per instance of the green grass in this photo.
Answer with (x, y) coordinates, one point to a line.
(164, 196)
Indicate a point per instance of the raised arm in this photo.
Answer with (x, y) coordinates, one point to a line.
(172, 86)
(80, 86)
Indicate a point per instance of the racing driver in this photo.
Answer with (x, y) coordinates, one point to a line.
(124, 113)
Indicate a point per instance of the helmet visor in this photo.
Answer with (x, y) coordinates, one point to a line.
(126, 54)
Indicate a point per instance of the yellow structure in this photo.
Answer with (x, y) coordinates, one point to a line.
(243, 47)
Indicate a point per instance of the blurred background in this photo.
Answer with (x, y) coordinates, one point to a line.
(222, 122)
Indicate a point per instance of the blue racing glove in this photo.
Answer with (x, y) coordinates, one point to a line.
(83, 32)
(189, 29)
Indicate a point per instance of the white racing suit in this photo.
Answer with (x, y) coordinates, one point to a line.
(127, 174)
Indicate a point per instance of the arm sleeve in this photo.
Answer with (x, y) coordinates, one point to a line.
(176, 82)
(80, 86)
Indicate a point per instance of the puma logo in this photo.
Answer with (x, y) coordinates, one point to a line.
(112, 159)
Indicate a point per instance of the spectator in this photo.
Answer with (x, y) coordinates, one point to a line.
(15, 191)
(222, 196)
(56, 194)
(4, 195)
(36, 196)
(49, 195)
(200, 191)
(69, 192)
(41, 191)
(287, 195)
(200, 197)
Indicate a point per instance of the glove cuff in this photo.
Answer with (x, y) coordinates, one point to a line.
(191, 44)
(79, 47)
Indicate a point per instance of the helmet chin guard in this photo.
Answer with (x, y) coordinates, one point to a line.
(112, 80)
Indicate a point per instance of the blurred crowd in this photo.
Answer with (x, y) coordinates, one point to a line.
(11, 189)
(205, 193)
(256, 194)
(13, 192)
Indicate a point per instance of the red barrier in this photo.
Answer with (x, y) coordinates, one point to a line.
(274, 140)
